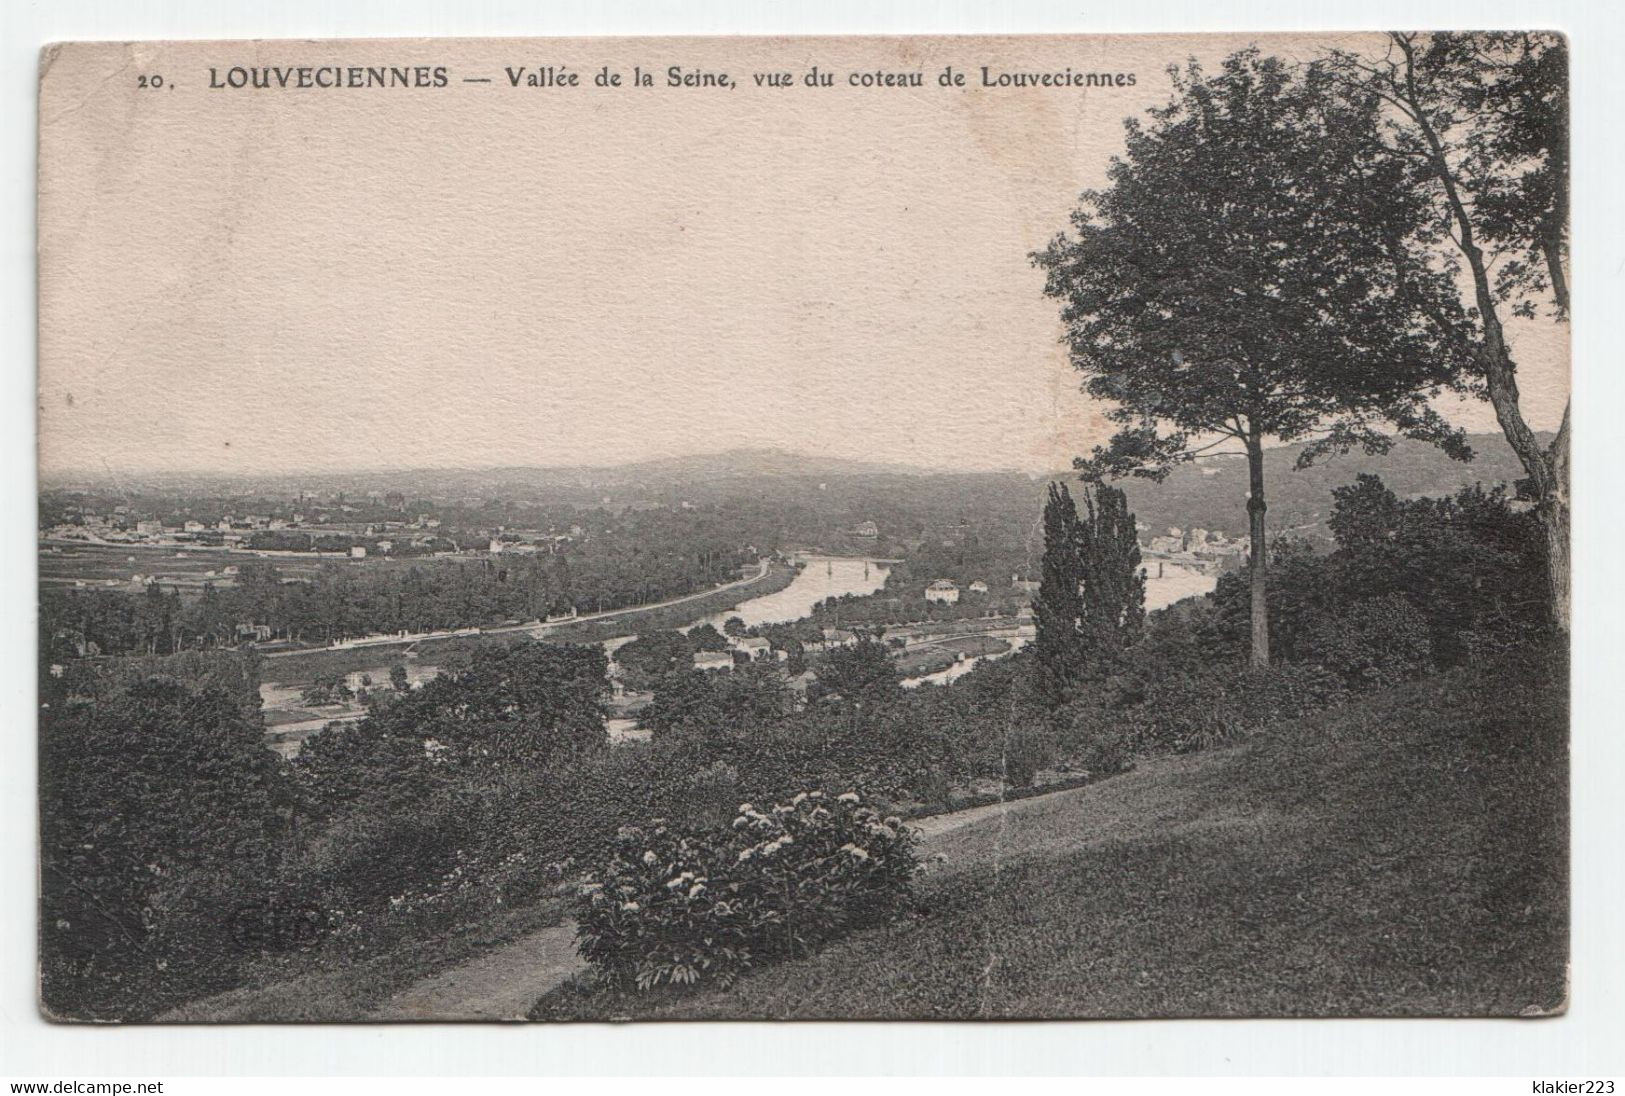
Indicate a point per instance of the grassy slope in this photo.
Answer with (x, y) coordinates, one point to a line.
(1404, 855)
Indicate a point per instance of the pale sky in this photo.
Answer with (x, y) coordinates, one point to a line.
(276, 281)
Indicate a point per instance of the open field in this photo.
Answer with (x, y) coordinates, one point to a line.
(67, 563)
(925, 658)
(1404, 855)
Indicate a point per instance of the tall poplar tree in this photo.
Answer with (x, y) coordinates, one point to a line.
(1091, 597)
(1058, 608)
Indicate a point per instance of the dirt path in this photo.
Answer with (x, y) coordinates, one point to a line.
(500, 985)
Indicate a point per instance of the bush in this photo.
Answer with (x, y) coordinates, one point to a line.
(1107, 753)
(1027, 749)
(1375, 642)
(675, 909)
(1199, 710)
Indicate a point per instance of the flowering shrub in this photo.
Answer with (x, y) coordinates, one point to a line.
(775, 884)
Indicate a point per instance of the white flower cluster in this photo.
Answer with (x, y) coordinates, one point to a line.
(767, 849)
(694, 883)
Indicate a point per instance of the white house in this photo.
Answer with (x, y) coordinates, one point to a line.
(713, 660)
(978, 587)
(753, 647)
(943, 592)
(839, 637)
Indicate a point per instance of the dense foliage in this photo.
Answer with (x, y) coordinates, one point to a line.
(679, 908)
(162, 813)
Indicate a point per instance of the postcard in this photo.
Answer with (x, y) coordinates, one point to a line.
(800, 528)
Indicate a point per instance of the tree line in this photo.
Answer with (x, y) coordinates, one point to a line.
(340, 600)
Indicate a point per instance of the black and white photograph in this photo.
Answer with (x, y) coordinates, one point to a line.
(1057, 527)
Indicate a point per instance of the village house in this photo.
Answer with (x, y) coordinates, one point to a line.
(798, 686)
(978, 587)
(714, 660)
(839, 637)
(942, 592)
(753, 647)
(1025, 585)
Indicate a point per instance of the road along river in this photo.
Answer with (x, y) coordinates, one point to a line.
(822, 577)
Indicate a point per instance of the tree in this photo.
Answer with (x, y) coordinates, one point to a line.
(1482, 120)
(654, 655)
(495, 709)
(860, 673)
(705, 637)
(1059, 605)
(1249, 274)
(1113, 582)
(1091, 596)
(711, 713)
(159, 820)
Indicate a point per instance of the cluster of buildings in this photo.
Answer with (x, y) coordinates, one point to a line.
(511, 544)
(757, 649)
(120, 526)
(1202, 543)
(944, 592)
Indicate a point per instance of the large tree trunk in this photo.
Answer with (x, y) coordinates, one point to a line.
(1259, 566)
(1548, 468)
(1554, 521)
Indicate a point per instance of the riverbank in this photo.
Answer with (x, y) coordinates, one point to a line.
(632, 622)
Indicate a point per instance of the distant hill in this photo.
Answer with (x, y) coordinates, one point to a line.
(733, 464)
(1212, 493)
(659, 474)
(817, 496)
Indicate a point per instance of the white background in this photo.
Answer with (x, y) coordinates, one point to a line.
(1585, 1043)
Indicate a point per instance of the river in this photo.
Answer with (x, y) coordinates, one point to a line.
(822, 577)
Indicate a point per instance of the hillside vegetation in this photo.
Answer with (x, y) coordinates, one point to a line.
(1403, 855)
